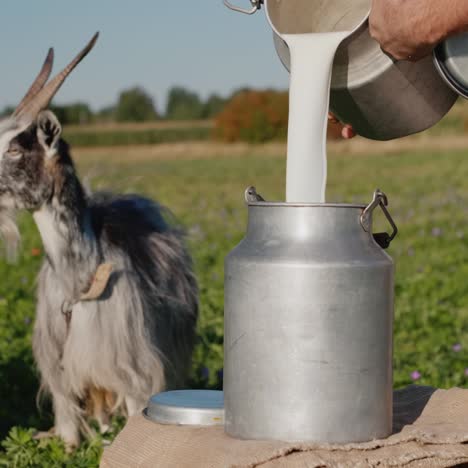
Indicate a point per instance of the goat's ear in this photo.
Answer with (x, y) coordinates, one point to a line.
(48, 132)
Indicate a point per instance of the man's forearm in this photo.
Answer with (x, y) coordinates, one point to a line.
(457, 17)
(410, 29)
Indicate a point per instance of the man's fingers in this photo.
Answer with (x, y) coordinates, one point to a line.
(332, 118)
(348, 132)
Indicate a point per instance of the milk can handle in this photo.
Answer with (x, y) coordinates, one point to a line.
(256, 5)
(382, 238)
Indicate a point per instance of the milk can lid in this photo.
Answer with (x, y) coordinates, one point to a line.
(451, 59)
(187, 407)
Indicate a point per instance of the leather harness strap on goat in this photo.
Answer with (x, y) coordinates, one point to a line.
(97, 287)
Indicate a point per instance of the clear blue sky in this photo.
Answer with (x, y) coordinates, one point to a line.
(198, 44)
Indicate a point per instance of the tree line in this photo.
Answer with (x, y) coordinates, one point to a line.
(250, 115)
(137, 105)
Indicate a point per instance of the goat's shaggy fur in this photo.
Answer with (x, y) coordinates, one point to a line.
(137, 338)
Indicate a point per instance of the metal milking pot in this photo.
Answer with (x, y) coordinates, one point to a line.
(382, 99)
(308, 325)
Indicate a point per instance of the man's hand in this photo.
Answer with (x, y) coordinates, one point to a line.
(410, 29)
(347, 131)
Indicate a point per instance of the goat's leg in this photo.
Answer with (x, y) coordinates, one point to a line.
(66, 419)
(99, 407)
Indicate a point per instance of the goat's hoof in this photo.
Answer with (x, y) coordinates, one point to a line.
(103, 428)
(70, 447)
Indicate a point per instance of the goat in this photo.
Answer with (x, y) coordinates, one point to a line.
(117, 301)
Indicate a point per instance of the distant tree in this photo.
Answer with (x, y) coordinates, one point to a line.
(213, 106)
(254, 116)
(242, 90)
(106, 114)
(73, 114)
(135, 105)
(7, 111)
(183, 104)
(79, 113)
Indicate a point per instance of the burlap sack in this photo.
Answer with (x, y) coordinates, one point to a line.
(430, 430)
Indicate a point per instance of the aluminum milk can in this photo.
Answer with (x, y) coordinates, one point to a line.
(308, 325)
(381, 98)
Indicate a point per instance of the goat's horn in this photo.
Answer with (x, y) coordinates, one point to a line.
(42, 99)
(39, 82)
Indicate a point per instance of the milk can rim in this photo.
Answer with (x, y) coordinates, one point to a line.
(305, 205)
(358, 27)
(450, 78)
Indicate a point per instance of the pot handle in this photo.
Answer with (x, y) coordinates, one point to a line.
(382, 238)
(256, 5)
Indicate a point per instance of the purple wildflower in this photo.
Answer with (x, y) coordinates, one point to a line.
(415, 375)
(27, 320)
(457, 347)
(205, 373)
(466, 372)
(436, 232)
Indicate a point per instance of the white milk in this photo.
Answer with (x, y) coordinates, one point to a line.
(311, 66)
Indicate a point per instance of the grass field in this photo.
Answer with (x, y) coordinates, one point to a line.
(428, 194)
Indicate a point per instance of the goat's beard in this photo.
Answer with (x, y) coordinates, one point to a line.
(9, 233)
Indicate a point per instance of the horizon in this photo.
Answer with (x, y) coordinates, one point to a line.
(205, 48)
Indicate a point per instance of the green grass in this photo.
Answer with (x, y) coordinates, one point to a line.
(428, 196)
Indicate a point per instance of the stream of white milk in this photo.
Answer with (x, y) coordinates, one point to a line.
(311, 67)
